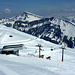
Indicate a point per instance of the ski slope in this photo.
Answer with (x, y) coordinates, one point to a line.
(28, 61)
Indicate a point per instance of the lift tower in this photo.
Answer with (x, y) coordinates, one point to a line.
(39, 45)
(63, 48)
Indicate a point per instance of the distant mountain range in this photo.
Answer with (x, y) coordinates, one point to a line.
(52, 29)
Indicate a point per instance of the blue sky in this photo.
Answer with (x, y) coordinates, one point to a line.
(44, 8)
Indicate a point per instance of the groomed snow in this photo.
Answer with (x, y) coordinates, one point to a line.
(28, 62)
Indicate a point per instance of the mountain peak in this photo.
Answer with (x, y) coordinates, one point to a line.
(29, 13)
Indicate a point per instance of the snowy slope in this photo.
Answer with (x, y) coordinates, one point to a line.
(66, 27)
(28, 62)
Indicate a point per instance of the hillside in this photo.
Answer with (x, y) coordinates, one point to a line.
(52, 29)
(28, 61)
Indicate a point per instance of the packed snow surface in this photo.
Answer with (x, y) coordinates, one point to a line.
(28, 61)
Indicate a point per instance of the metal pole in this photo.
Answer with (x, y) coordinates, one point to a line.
(62, 54)
(39, 52)
(63, 48)
(39, 45)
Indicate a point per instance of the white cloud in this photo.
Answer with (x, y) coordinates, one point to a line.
(7, 11)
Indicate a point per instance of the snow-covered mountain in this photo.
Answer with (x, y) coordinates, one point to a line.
(28, 61)
(25, 16)
(70, 19)
(52, 29)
